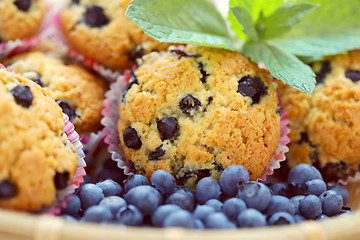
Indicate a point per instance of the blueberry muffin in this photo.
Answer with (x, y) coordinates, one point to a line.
(325, 127)
(79, 93)
(20, 18)
(100, 30)
(37, 161)
(195, 111)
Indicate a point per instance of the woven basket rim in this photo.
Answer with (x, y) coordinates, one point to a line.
(16, 225)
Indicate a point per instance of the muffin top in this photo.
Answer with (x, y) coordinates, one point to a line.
(195, 111)
(78, 92)
(325, 127)
(37, 160)
(100, 30)
(20, 18)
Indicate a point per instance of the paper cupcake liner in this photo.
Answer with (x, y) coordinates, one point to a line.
(73, 137)
(11, 48)
(111, 116)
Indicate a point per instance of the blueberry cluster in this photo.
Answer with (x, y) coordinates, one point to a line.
(233, 202)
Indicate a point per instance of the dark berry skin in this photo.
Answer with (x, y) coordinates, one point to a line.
(231, 179)
(207, 188)
(23, 5)
(180, 218)
(61, 179)
(7, 189)
(343, 191)
(73, 205)
(218, 220)
(299, 175)
(110, 188)
(36, 78)
(183, 200)
(255, 195)
(280, 204)
(90, 195)
(23, 96)
(203, 73)
(321, 74)
(95, 17)
(233, 207)
(354, 75)
(253, 87)
(130, 84)
(66, 108)
(156, 154)
(281, 218)
(310, 207)
(332, 202)
(251, 218)
(97, 214)
(188, 103)
(130, 215)
(161, 213)
(167, 127)
(201, 212)
(134, 181)
(163, 181)
(146, 198)
(131, 138)
(113, 203)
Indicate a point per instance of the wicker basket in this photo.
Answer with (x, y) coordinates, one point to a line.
(22, 226)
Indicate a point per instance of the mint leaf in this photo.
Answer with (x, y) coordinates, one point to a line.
(245, 19)
(185, 21)
(331, 28)
(254, 8)
(282, 65)
(283, 19)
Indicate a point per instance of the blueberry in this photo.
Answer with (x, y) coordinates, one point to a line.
(299, 218)
(204, 74)
(130, 84)
(218, 220)
(295, 201)
(255, 195)
(325, 69)
(299, 175)
(161, 213)
(73, 205)
(90, 195)
(281, 218)
(332, 202)
(134, 181)
(156, 154)
(146, 198)
(183, 200)
(201, 212)
(95, 16)
(343, 191)
(75, 1)
(345, 210)
(188, 191)
(279, 189)
(199, 224)
(130, 215)
(253, 87)
(231, 178)
(188, 103)
(315, 187)
(131, 138)
(180, 218)
(207, 188)
(23, 5)
(322, 217)
(354, 75)
(233, 207)
(23, 95)
(310, 207)
(113, 203)
(66, 108)
(110, 188)
(251, 218)
(216, 204)
(167, 127)
(7, 189)
(184, 54)
(192, 174)
(280, 204)
(61, 179)
(69, 218)
(163, 181)
(97, 214)
(35, 77)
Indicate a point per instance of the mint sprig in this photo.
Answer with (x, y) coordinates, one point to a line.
(281, 34)
(184, 21)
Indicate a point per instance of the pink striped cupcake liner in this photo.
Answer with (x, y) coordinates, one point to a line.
(111, 116)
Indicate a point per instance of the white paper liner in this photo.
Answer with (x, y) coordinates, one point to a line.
(55, 209)
(111, 116)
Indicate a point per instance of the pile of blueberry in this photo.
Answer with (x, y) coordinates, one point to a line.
(233, 202)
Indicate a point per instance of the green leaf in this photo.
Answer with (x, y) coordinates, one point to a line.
(185, 21)
(254, 8)
(283, 19)
(282, 65)
(245, 19)
(331, 28)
